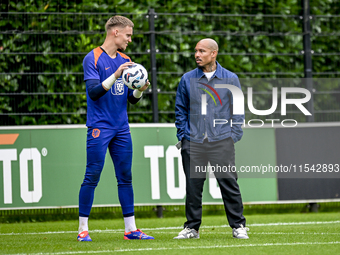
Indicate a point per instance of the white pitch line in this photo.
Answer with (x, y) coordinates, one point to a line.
(297, 233)
(182, 248)
(39, 233)
(180, 227)
(293, 223)
(253, 233)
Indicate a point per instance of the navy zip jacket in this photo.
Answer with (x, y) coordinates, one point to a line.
(214, 120)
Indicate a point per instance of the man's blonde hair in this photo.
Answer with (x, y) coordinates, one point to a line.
(118, 21)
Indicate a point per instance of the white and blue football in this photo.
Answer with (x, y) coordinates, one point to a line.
(135, 76)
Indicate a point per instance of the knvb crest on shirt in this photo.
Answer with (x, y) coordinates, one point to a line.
(118, 87)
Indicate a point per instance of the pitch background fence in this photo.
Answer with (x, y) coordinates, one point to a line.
(43, 167)
(42, 48)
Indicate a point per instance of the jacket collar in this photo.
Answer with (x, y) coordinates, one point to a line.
(217, 74)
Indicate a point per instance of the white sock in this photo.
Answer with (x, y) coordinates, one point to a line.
(130, 224)
(83, 224)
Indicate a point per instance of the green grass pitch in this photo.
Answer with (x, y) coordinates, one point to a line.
(303, 233)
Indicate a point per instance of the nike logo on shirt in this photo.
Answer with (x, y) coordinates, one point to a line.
(107, 67)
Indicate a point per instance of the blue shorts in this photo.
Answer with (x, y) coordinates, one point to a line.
(119, 144)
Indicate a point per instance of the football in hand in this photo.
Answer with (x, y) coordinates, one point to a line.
(135, 76)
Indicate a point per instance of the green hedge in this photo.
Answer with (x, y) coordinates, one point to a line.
(62, 32)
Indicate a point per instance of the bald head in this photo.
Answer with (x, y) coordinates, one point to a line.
(205, 54)
(209, 43)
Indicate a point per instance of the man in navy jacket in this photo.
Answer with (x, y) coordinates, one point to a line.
(207, 130)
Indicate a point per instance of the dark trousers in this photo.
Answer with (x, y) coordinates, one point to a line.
(221, 153)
